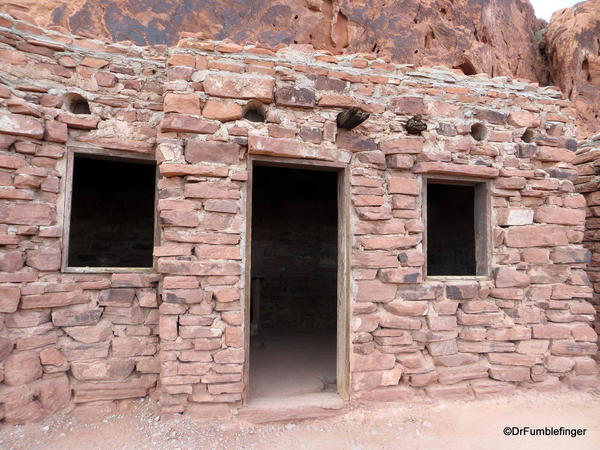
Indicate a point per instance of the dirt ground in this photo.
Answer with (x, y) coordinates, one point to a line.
(419, 425)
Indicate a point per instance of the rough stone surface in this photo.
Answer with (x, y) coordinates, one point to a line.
(574, 55)
(176, 330)
(492, 36)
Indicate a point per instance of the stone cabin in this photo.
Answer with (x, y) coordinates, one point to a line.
(191, 224)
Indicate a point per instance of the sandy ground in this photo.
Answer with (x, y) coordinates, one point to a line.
(420, 425)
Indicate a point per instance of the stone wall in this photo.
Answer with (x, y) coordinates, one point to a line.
(68, 338)
(525, 325)
(588, 183)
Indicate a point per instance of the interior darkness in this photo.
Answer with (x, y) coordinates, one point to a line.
(294, 255)
(112, 213)
(450, 230)
(294, 247)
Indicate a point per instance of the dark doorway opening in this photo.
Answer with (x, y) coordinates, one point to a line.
(451, 230)
(294, 281)
(112, 213)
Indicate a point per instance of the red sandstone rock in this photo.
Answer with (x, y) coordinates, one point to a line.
(56, 131)
(55, 393)
(45, 259)
(222, 110)
(18, 125)
(536, 236)
(470, 36)
(211, 151)
(508, 277)
(186, 124)
(22, 368)
(455, 169)
(109, 369)
(182, 103)
(81, 122)
(235, 86)
(573, 53)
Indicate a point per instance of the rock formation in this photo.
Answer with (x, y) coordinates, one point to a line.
(492, 36)
(573, 48)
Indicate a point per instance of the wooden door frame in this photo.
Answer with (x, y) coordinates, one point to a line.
(343, 265)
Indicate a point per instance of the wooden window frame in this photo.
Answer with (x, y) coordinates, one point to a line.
(110, 155)
(483, 229)
(343, 264)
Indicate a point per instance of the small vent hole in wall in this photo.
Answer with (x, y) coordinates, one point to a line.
(527, 136)
(254, 112)
(478, 131)
(76, 104)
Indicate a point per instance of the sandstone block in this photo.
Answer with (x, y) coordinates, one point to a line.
(182, 103)
(566, 348)
(44, 259)
(524, 119)
(558, 364)
(405, 308)
(19, 125)
(76, 317)
(559, 215)
(375, 361)
(238, 86)
(9, 298)
(55, 393)
(536, 236)
(223, 111)
(56, 131)
(186, 124)
(102, 331)
(28, 214)
(509, 277)
(408, 186)
(212, 151)
(510, 373)
(296, 97)
(22, 368)
(53, 300)
(108, 369)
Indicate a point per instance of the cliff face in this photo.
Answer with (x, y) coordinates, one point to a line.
(492, 36)
(573, 48)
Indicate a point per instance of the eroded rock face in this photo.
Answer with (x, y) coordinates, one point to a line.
(573, 47)
(492, 36)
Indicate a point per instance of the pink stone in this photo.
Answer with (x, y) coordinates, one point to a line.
(375, 361)
(238, 86)
(524, 119)
(28, 214)
(509, 277)
(409, 186)
(559, 215)
(510, 373)
(212, 151)
(11, 261)
(56, 131)
(407, 308)
(19, 125)
(182, 103)
(536, 236)
(223, 111)
(108, 369)
(55, 393)
(584, 333)
(22, 368)
(44, 259)
(9, 298)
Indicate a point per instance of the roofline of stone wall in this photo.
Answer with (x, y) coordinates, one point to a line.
(380, 70)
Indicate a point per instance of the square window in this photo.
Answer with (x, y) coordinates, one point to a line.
(111, 212)
(457, 228)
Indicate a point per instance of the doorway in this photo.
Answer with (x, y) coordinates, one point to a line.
(296, 315)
